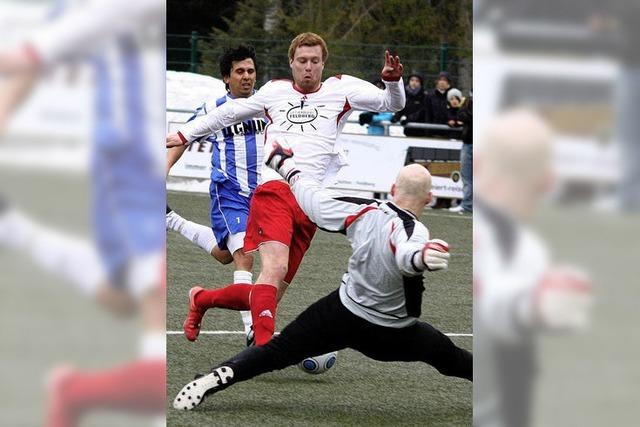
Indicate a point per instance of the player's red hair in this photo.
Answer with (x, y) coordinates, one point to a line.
(308, 39)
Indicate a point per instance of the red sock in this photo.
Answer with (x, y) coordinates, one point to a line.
(263, 312)
(136, 387)
(233, 297)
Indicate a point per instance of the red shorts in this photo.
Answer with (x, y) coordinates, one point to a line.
(274, 215)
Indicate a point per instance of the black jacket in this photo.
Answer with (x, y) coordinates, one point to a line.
(465, 115)
(436, 107)
(414, 108)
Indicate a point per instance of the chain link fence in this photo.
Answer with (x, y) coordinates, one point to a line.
(200, 54)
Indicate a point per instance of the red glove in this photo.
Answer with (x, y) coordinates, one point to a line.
(392, 70)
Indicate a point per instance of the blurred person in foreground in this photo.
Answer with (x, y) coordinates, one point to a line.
(464, 117)
(374, 119)
(414, 109)
(376, 309)
(310, 114)
(236, 160)
(520, 291)
(627, 94)
(123, 268)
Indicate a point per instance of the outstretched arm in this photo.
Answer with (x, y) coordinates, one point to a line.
(232, 111)
(173, 155)
(363, 95)
(13, 92)
(80, 31)
(414, 251)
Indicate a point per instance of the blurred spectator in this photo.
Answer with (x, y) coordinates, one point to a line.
(465, 119)
(436, 104)
(374, 120)
(414, 110)
(455, 100)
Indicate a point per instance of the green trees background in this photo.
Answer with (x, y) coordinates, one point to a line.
(428, 35)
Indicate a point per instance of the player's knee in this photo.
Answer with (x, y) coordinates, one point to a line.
(222, 256)
(275, 271)
(275, 262)
(243, 261)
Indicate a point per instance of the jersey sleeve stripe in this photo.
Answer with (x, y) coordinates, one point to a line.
(344, 111)
(182, 138)
(351, 218)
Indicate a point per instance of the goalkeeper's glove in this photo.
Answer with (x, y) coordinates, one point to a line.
(563, 300)
(435, 255)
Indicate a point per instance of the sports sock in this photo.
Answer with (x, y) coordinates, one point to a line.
(135, 387)
(244, 277)
(263, 312)
(232, 297)
(72, 258)
(200, 235)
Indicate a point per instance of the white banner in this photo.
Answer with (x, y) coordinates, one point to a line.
(374, 162)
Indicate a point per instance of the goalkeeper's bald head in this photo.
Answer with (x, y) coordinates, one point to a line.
(412, 189)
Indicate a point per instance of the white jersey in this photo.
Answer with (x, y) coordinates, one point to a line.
(508, 264)
(384, 280)
(309, 123)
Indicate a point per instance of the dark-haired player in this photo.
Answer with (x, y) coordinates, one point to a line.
(236, 162)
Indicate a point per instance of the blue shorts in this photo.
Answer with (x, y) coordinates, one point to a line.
(127, 209)
(229, 211)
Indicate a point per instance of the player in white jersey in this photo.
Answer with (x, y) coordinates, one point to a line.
(376, 309)
(236, 161)
(309, 114)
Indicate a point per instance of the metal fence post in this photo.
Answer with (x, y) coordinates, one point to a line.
(194, 52)
(444, 52)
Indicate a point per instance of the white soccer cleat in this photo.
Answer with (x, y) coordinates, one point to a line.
(195, 391)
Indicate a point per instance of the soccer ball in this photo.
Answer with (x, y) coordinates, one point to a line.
(318, 364)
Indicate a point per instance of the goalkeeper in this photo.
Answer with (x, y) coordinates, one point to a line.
(376, 309)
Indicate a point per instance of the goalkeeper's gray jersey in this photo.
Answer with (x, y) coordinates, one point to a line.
(384, 282)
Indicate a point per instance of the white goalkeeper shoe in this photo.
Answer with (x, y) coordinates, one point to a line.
(280, 160)
(196, 390)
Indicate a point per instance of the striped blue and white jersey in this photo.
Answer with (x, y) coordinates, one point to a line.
(125, 53)
(237, 150)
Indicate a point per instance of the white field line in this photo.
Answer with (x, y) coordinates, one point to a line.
(242, 333)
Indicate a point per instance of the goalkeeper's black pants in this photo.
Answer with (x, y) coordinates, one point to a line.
(327, 325)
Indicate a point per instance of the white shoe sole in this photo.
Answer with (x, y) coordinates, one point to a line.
(194, 392)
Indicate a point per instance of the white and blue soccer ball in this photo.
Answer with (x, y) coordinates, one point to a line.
(318, 364)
